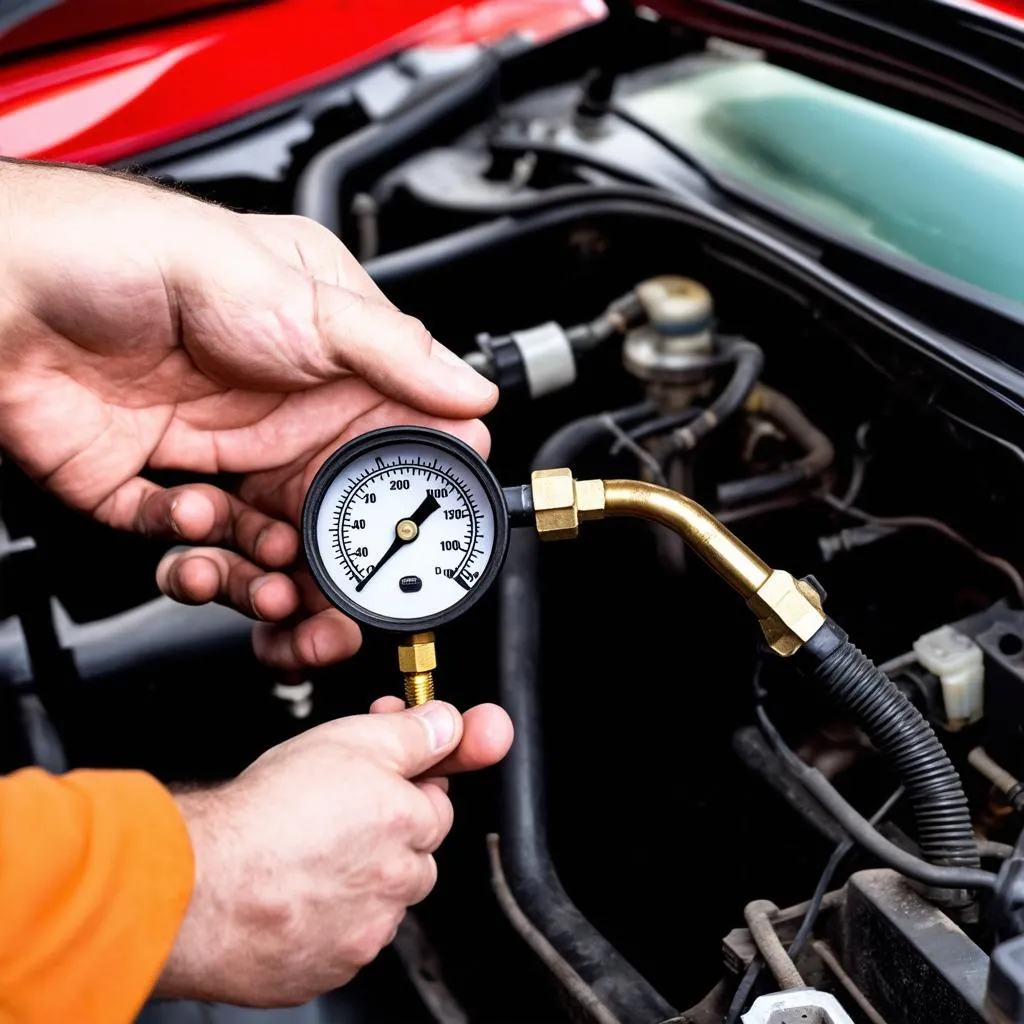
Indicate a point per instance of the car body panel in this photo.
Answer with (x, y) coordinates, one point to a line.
(114, 97)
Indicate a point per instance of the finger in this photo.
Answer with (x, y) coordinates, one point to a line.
(391, 706)
(201, 575)
(426, 881)
(387, 705)
(444, 814)
(408, 742)
(204, 514)
(280, 492)
(486, 737)
(398, 356)
(440, 781)
(323, 639)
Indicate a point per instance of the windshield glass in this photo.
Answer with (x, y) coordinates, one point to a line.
(886, 178)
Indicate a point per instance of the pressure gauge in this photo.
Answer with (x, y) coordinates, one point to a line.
(405, 528)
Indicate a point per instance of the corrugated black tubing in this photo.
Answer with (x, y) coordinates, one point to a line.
(899, 731)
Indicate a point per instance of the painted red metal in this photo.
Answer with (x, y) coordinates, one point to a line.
(111, 99)
(1015, 7)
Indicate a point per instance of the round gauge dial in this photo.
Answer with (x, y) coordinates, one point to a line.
(405, 528)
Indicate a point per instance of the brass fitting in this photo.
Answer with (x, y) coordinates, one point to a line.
(417, 659)
(789, 610)
(561, 503)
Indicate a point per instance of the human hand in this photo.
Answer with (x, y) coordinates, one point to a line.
(142, 328)
(305, 863)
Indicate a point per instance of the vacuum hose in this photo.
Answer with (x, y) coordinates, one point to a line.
(748, 360)
(900, 732)
(525, 855)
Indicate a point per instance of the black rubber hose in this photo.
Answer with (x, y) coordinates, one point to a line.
(321, 186)
(524, 846)
(819, 452)
(899, 731)
(622, 315)
(864, 833)
(757, 488)
(748, 361)
(751, 747)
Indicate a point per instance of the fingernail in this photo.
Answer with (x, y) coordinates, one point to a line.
(260, 538)
(475, 385)
(254, 588)
(467, 379)
(440, 723)
(170, 517)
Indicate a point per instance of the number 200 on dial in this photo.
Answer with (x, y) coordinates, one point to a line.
(405, 528)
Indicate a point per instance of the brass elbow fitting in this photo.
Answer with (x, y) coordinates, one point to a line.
(789, 610)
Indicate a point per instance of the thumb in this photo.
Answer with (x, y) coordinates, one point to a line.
(408, 742)
(397, 355)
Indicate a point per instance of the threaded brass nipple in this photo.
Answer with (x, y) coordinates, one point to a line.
(417, 660)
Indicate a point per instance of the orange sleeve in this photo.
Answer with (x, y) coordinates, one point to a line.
(95, 878)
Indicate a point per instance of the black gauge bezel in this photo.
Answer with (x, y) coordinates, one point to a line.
(367, 442)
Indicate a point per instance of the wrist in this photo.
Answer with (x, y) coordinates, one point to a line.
(190, 968)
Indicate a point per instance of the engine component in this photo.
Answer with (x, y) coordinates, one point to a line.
(931, 970)
(1005, 996)
(321, 189)
(542, 359)
(850, 539)
(1009, 785)
(674, 345)
(783, 411)
(758, 915)
(805, 1004)
(999, 633)
(957, 662)
(539, 359)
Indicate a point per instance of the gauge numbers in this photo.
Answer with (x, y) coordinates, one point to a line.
(406, 530)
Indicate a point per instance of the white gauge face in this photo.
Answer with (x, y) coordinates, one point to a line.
(405, 530)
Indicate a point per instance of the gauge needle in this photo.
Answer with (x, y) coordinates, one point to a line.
(427, 505)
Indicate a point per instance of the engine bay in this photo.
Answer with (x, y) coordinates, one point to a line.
(833, 389)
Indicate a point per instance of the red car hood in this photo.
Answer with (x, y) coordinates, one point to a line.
(105, 87)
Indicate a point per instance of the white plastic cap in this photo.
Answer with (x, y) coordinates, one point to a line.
(548, 358)
(958, 662)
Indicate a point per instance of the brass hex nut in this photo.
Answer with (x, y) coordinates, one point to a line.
(418, 656)
(589, 499)
(560, 503)
(554, 504)
(789, 611)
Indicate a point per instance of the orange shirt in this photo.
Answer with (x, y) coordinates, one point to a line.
(95, 878)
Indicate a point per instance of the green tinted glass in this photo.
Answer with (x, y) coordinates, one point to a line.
(895, 181)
